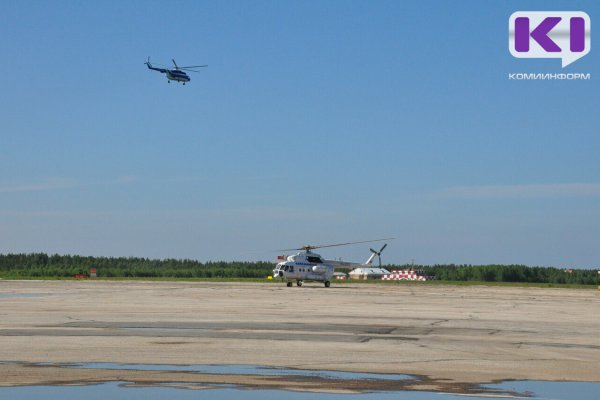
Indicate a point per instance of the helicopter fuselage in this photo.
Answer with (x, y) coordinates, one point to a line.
(304, 266)
(177, 75)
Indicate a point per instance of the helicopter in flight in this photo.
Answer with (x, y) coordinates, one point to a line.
(178, 74)
(309, 266)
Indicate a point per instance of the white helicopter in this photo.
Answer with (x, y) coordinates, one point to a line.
(309, 266)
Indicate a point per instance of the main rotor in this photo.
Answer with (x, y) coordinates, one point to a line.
(189, 68)
(308, 248)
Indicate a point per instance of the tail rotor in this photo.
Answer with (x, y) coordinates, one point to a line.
(378, 253)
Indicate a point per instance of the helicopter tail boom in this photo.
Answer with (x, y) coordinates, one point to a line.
(153, 68)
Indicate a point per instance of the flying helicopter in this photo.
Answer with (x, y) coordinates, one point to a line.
(178, 74)
(309, 266)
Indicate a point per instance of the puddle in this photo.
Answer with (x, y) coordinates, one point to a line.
(243, 370)
(123, 391)
(552, 390)
(323, 385)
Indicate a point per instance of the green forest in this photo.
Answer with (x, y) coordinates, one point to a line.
(510, 273)
(40, 265)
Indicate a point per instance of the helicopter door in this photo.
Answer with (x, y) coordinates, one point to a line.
(289, 270)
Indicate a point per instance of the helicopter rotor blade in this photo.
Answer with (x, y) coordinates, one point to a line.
(309, 247)
(383, 247)
(348, 243)
(188, 70)
(301, 248)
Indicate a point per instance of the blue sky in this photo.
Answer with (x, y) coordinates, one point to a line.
(315, 122)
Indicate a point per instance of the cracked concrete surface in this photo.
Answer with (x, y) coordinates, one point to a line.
(451, 335)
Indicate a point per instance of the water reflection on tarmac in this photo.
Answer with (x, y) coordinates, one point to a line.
(242, 369)
(121, 391)
(183, 391)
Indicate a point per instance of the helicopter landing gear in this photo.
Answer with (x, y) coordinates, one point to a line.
(289, 284)
(327, 283)
(299, 283)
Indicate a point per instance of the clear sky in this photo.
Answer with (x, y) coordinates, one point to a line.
(316, 122)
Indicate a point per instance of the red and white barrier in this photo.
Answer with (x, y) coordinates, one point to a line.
(404, 275)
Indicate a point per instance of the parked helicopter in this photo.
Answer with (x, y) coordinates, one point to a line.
(309, 266)
(178, 74)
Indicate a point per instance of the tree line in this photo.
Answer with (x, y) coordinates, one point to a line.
(507, 273)
(41, 265)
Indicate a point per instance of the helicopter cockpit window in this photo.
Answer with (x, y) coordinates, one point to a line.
(313, 259)
(285, 268)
